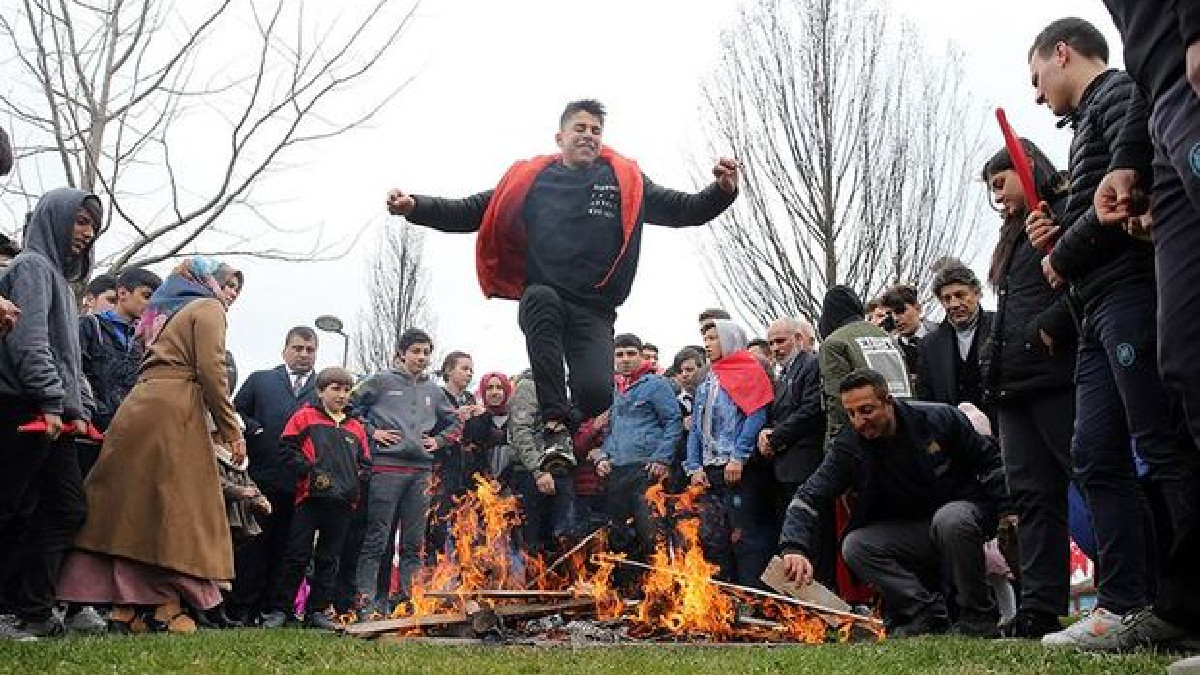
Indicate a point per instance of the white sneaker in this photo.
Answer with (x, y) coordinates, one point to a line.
(1098, 631)
(1188, 666)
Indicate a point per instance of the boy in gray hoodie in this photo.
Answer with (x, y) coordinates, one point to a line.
(409, 419)
(40, 383)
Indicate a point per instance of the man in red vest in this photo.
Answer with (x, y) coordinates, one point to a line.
(561, 234)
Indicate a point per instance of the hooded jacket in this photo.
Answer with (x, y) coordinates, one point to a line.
(725, 425)
(848, 343)
(40, 358)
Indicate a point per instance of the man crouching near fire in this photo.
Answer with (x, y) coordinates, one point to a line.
(926, 489)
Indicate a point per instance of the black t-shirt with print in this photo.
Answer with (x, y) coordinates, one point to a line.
(573, 229)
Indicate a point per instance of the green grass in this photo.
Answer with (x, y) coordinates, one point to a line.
(293, 652)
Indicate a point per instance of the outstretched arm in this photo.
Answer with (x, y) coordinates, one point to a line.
(445, 215)
(673, 208)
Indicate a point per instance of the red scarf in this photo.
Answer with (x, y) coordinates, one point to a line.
(743, 377)
(500, 247)
(626, 381)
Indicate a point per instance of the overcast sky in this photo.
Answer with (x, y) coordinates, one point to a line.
(492, 78)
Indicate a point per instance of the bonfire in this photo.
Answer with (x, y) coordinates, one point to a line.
(487, 587)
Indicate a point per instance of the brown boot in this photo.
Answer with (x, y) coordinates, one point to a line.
(171, 618)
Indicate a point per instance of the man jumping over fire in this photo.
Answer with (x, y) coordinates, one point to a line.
(561, 234)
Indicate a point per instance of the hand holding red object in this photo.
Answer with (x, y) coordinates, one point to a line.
(39, 426)
(1021, 164)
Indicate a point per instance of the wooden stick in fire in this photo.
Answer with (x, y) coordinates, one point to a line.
(567, 556)
(607, 557)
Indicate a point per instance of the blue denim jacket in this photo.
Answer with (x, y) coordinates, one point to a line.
(645, 423)
(731, 434)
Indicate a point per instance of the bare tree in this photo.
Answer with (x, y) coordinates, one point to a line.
(397, 296)
(141, 102)
(858, 151)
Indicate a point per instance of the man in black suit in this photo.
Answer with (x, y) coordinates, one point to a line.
(795, 437)
(951, 370)
(266, 401)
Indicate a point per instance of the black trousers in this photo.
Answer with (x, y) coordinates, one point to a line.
(329, 521)
(625, 498)
(259, 563)
(1035, 441)
(42, 507)
(1175, 126)
(557, 331)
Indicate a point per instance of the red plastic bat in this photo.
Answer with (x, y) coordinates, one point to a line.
(1021, 163)
(38, 426)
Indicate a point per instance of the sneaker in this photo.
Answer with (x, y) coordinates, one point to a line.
(559, 454)
(320, 621)
(273, 619)
(1188, 666)
(1144, 628)
(1098, 631)
(10, 633)
(1030, 625)
(49, 627)
(87, 621)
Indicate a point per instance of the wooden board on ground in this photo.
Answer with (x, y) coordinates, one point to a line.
(776, 578)
(373, 628)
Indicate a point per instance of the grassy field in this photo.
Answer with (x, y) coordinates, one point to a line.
(293, 652)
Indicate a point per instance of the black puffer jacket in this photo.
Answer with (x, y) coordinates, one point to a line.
(1093, 257)
(1015, 362)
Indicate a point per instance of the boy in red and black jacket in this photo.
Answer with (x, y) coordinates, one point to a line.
(329, 452)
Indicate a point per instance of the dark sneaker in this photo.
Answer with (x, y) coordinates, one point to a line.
(10, 633)
(1031, 625)
(320, 621)
(273, 620)
(925, 623)
(559, 454)
(50, 627)
(1144, 628)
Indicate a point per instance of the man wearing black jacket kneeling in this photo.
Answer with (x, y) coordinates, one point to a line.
(926, 489)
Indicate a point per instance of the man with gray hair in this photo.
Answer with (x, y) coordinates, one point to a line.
(950, 364)
(794, 437)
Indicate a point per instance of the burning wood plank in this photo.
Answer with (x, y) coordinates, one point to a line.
(500, 593)
(811, 606)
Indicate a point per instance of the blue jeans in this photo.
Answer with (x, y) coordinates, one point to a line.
(1120, 398)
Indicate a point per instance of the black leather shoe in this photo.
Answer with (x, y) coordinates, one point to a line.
(1031, 625)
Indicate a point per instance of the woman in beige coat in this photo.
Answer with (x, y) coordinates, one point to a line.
(156, 533)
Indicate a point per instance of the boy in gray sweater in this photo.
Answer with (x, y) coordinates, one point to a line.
(408, 419)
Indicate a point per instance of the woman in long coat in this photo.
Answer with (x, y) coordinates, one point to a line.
(156, 533)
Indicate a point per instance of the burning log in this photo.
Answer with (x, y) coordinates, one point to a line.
(811, 606)
(500, 593)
